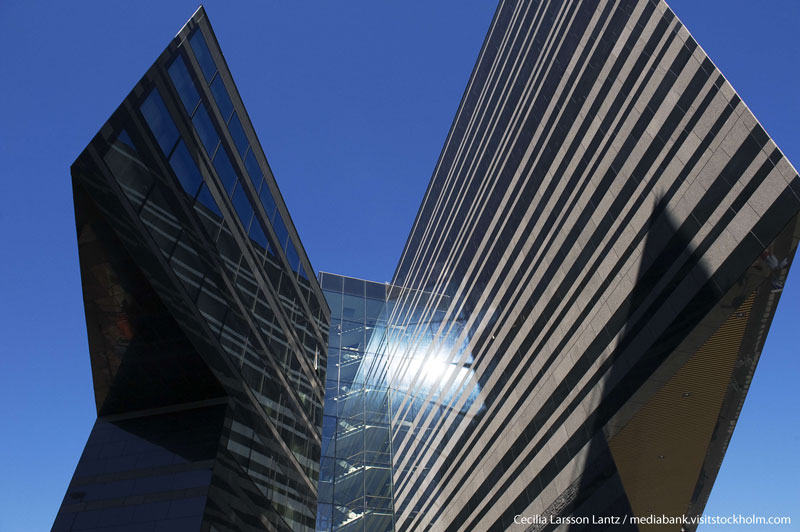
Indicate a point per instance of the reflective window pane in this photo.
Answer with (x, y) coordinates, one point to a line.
(227, 174)
(257, 235)
(280, 230)
(185, 169)
(221, 97)
(126, 139)
(205, 128)
(268, 203)
(159, 120)
(206, 199)
(238, 134)
(242, 206)
(292, 256)
(203, 54)
(184, 84)
(253, 170)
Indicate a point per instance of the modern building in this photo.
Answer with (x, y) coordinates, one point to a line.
(207, 331)
(585, 293)
(355, 486)
(567, 340)
(612, 228)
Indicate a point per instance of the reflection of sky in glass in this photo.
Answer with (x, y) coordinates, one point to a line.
(386, 360)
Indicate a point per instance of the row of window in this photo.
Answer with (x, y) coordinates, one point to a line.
(166, 134)
(233, 182)
(196, 109)
(180, 249)
(159, 120)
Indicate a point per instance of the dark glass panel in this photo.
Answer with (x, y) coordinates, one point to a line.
(227, 246)
(238, 134)
(159, 120)
(162, 226)
(280, 230)
(185, 169)
(126, 139)
(221, 97)
(206, 199)
(184, 84)
(188, 266)
(268, 202)
(131, 174)
(203, 54)
(227, 175)
(205, 128)
(332, 282)
(212, 304)
(257, 235)
(233, 337)
(354, 287)
(376, 291)
(242, 206)
(292, 256)
(253, 170)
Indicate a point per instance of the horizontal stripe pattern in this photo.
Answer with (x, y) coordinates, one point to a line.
(601, 179)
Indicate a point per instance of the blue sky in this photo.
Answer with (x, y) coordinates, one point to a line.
(352, 102)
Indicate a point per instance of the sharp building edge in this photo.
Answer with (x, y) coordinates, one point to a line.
(566, 343)
(611, 228)
(207, 336)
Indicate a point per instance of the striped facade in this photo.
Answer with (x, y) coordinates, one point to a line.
(607, 229)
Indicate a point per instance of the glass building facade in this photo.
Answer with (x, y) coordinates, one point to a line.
(355, 489)
(386, 364)
(207, 335)
(597, 259)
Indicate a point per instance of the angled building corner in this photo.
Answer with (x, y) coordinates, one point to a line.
(207, 328)
(568, 337)
(611, 227)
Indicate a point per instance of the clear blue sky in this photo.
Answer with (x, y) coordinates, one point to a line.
(352, 102)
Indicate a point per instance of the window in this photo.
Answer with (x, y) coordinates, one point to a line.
(280, 230)
(292, 256)
(159, 120)
(208, 134)
(203, 54)
(205, 198)
(238, 134)
(257, 235)
(242, 206)
(268, 202)
(225, 170)
(185, 169)
(221, 97)
(184, 84)
(251, 164)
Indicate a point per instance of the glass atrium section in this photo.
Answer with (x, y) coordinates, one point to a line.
(355, 489)
(385, 370)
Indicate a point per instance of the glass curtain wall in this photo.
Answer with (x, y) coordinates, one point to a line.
(355, 489)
